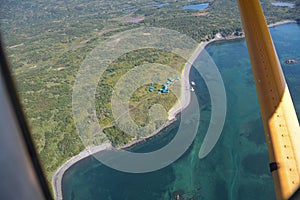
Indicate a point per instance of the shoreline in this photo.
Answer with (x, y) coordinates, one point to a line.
(282, 23)
(173, 112)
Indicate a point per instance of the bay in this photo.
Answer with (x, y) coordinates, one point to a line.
(237, 168)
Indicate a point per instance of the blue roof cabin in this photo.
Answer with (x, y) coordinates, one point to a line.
(151, 89)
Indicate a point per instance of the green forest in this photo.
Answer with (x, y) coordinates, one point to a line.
(46, 42)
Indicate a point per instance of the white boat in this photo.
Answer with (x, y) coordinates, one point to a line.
(193, 83)
(192, 89)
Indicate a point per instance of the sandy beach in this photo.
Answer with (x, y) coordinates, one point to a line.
(185, 84)
(281, 23)
(181, 104)
(57, 178)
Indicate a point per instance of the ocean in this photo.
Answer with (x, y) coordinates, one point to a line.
(237, 167)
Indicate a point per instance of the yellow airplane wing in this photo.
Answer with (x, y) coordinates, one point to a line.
(278, 113)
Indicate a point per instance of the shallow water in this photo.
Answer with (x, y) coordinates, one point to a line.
(237, 168)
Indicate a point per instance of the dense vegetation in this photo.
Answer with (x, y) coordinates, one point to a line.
(48, 40)
(142, 99)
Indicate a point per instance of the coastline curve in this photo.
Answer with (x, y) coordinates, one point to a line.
(57, 177)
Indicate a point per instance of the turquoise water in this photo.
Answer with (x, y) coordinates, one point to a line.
(284, 4)
(201, 6)
(237, 168)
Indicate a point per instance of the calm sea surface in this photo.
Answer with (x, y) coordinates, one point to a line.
(237, 168)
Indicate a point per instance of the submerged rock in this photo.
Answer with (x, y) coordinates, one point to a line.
(178, 195)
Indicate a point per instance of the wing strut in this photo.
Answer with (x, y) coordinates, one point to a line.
(280, 121)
